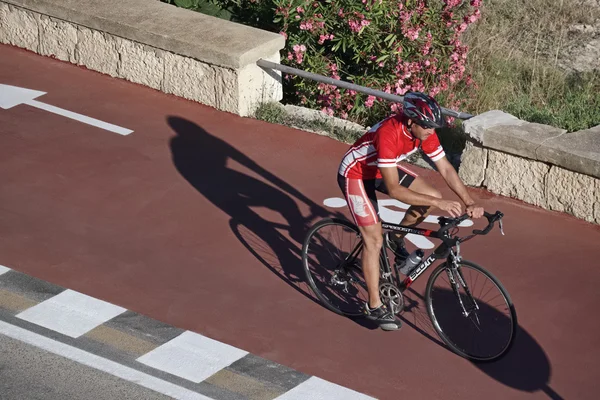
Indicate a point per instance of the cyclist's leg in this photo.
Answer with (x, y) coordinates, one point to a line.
(409, 179)
(362, 202)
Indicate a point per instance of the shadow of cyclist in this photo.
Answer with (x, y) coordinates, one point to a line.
(202, 159)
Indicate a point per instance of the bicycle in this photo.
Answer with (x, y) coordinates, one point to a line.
(347, 271)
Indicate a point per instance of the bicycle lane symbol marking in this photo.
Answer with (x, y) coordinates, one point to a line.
(393, 216)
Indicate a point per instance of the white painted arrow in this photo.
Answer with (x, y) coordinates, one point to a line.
(11, 96)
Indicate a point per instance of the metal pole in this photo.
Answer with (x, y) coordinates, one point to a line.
(347, 85)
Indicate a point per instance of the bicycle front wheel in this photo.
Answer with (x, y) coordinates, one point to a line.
(471, 311)
(331, 256)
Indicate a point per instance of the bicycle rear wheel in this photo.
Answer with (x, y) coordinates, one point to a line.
(488, 331)
(331, 256)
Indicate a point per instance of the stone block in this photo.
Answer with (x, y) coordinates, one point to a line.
(520, 140)
(57, 38)
(211, 40)
(573, 193)
(98, 51)
(516, 177)
(226, 83)
(257, 86)
(473, 164)
(189, 78)
(477, 126)
(141, 64)
(18, 27)
(577, 151)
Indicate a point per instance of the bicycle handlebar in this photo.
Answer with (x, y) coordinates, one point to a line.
(448, 223)
(491, 219)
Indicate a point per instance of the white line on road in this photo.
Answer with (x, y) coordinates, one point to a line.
(3, 269)
(99, 363)
(79, 117)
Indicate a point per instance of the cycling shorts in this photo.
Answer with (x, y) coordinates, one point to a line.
(362, 199)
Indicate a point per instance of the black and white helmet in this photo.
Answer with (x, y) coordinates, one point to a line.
(423, 110)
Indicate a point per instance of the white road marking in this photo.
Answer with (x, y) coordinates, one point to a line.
(12, 96)
(395, 217)
(192, 356)
(71, 313)
(100, 363)
(318, 389)
(3, 269)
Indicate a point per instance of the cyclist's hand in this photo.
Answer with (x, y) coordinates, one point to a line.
(452, 207)
(475, 211)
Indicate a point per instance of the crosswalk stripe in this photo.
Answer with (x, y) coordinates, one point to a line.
(71, 313)
(318, 389)
(192, 356)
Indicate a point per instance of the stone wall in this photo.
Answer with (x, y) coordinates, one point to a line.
(535, 163)
(174, 50)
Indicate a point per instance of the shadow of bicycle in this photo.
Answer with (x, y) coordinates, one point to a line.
(524, 367)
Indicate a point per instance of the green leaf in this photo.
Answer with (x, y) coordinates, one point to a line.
(186, 3)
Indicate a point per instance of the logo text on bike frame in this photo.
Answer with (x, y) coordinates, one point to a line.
(417, 231)
(421, 268)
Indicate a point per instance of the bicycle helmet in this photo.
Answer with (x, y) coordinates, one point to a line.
(423, 110)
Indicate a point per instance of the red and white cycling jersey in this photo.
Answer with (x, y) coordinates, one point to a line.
(384, 145)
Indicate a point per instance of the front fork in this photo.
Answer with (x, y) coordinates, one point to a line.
(454, 273)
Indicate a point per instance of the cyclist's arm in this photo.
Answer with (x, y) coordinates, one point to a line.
(453, 180)
(391, 178)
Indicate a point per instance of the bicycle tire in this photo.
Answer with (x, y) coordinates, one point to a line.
(305, 262)
(444, 336)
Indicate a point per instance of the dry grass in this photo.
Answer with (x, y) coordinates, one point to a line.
(514, 57)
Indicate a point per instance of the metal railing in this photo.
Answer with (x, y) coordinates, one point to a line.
(347, 85)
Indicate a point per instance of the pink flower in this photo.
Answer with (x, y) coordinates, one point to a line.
(328, 111)
(306, 26)
(370, 101)
(283, 34)
(300, 9)
(452, 3)
(413, 33)
(354, 25)
(475, 3)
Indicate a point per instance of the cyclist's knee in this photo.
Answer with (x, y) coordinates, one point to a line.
(372, 237)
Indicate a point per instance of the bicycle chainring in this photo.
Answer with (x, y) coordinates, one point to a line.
(392, 297)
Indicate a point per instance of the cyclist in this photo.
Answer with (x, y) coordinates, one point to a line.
(372, 164)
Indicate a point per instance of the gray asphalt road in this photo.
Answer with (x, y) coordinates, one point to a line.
(29, 373)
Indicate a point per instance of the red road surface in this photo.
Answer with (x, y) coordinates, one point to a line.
(196, 219)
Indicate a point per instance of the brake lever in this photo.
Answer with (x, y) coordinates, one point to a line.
(500, 224)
